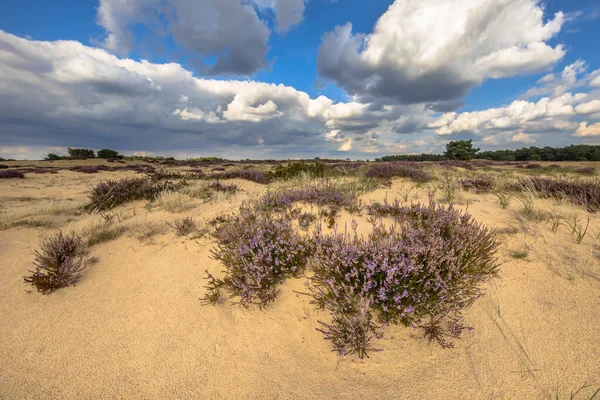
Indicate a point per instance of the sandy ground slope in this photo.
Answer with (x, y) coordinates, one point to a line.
(133, 327)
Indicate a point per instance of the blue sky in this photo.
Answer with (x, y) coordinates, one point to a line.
(359, 79)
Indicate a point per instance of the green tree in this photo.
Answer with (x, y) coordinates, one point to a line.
(460, 150)
(53, 156)
(81, 154)
(108, 153)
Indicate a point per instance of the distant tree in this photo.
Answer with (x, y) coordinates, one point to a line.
(52, 156)
(2, 159)
(107, 153)
(81, 154)
(460, 150)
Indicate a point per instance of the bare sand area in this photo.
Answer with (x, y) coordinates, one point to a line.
(134, 327)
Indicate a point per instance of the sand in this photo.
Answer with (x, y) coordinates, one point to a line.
(133, 327)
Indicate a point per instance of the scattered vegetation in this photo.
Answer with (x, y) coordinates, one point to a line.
(11, 174)
(108, 194)
(184, 226)
(578, 191)
(174, 202)
(259, 251)
(403, 170)
(59, 263)
(402, 273)
(481, 183)
(229, 188)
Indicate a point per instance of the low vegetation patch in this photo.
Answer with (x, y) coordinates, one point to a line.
(59, 263)
(11, 174)
(184, 226)
(421, 272)
(293, 170)
(399, 169)
(580, 192)
(108, 194)
(259, 251)
(481, 183)
(218, 186)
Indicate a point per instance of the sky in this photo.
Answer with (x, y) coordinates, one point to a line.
(265, 79)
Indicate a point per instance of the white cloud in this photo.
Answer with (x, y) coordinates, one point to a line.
(439, 50)
(595, 81)
(590, 107)
(524, 138)
(62, 92)
(549, 113)
(230, 30)
(586, 130)
(557, 85)
(288, 12)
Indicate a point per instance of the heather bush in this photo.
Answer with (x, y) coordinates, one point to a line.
(11, 174)
(585, 171)
(324, 193)
(112, 193)
(230, 188)
(580, 192)
(184, 227)
(3, 166)
(479, 183)
(259, 251)
(253, 176)
(59, 263)
(86, 169)
(429, 266)
(403, 170)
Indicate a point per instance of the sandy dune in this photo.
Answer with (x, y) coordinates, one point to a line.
(133, 327)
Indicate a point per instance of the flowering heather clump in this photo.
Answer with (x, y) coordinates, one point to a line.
(112, 193)
(259, 251)
(430, 265)
(352, 328)
(404, 170)
(219, 186)
(59, 264)
(11, 174)
(581, 192)
(480, 183)
(325, 193)
(218, 169)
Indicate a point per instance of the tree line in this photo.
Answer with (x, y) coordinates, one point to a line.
(464, 150)
(84, 154)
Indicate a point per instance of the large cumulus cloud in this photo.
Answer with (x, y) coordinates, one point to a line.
(231, 31)
(436, 51)
(63, 93)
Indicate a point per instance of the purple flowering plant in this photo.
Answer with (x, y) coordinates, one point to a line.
(259, 251)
